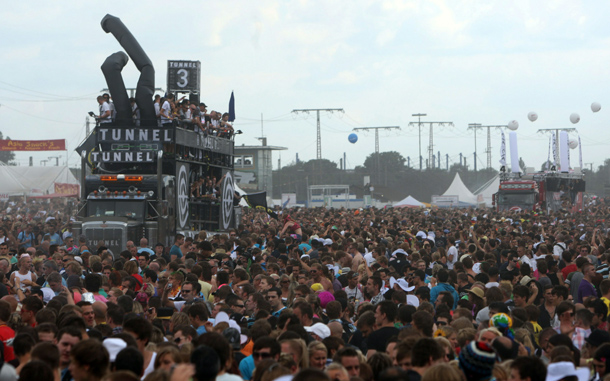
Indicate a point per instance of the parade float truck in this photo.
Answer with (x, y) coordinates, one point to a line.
(550, 191)
(139, 179)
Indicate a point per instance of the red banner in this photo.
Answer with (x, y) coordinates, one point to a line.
(66, 189)
(33, 145)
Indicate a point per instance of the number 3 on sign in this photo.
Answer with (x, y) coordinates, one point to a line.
(183, 78)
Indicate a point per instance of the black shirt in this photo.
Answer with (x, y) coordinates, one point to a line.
(378, 339)
(357, 340)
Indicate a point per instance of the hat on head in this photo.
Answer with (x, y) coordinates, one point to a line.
(560, 370)
(477, 291)
(503, 323)
(319, 329)
(525, 280)
(403, 284)
(141, 298)
(114, 346)
(598, 337)
(325, 298)
(165, 313)
(477, 360)
(47, 294)
(221, 317)
(317, 287)
(233, 337)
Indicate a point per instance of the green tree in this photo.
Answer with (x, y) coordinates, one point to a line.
(391, 161)
(7, 157)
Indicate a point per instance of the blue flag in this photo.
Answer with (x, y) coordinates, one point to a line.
(232, 108)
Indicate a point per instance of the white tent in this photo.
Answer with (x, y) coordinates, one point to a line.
(237, 189)
(409, 202)
(33, 181)
(457, 188)
(485, 193)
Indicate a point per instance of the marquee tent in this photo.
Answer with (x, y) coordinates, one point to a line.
(409, 202)
(485, 193)
(37, 181)
(457, 188)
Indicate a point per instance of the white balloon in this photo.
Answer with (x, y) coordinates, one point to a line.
(574, 118)
(513, 125)
(573, 143)
(595, 107)
(532, 116)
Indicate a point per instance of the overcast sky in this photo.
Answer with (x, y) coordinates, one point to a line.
(465, 62)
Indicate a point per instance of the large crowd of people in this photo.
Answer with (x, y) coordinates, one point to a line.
(367, 294)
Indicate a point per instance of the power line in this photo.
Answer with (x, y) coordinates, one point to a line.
(419, 123)
(376, 129)
(319, 137)
(36, 116)
(475, 127)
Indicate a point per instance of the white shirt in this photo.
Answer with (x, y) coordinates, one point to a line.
(113, 114)
(167, 111)
(369, 258)
(529, 261)
(104, 107)
(558, 249)
(452, 251)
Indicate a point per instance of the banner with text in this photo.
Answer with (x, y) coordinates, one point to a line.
(66, 189)
(33, 145)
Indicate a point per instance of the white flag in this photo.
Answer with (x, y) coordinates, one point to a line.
(579, 153)
(503, 150)
(554, 147)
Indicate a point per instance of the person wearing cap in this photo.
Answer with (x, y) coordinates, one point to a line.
(318, 331)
